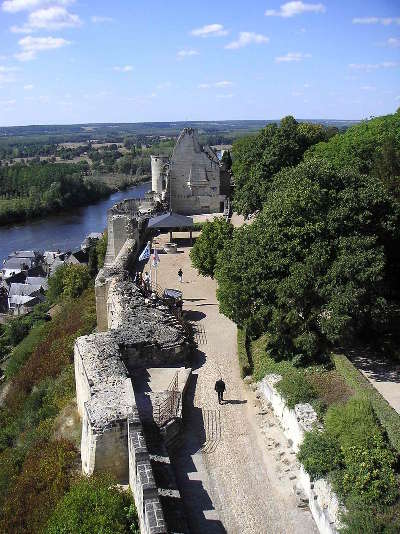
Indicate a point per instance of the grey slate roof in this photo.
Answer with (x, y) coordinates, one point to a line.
(170, 220)
(23, 289)
(37, 281)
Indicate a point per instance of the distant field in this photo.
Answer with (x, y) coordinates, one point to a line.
(77, 133)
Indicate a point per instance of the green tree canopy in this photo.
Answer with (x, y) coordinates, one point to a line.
(257, 158)
(312, 267)
(213, 237)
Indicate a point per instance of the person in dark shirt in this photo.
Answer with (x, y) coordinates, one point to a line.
(180, 275)
(220, 388)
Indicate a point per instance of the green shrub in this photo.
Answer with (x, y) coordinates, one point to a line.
(369, 473)
(320, 454)
(94, 505)
(353, 423)
(361, 519)
(243, 353)
(295, 388)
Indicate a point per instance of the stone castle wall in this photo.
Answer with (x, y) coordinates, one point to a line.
(131, 334)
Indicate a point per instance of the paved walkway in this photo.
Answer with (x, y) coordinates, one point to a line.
(230, 481)
(383, 375)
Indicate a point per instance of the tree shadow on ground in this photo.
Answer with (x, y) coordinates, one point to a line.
(234, 401)
(378, 370)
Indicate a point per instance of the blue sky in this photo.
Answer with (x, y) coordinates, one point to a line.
(65, 61)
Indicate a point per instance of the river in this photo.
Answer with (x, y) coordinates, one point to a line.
(66, 230)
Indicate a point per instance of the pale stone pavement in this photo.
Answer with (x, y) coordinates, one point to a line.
(229, 479)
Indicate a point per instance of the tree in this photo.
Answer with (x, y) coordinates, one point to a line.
(256, 159)
(214, 236)
(311, 269)
(68, 281)
(76, 280)
(226, 160)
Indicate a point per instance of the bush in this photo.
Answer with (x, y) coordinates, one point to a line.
(369, 473)
(353, 422)
(94, 505)
(361, 519)
(243, 353)
(320, 454)
(296, 389)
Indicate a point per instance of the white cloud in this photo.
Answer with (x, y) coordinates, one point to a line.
(7, 103)
(28, 87)
(210, 30)
(7, 74)
(386, 21)
(246, 38)
(297, 93)
(96, 19)
(292, 56)
(393, 42)
(229, 95)
(290, 9)
(14, 6)
(30, 46)
(368, 67)
(368, 88)
(222, 83)
(125, 68)
(182, 54)
(51, 18)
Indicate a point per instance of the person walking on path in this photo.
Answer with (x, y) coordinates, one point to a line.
(220, 388)
(180, 275)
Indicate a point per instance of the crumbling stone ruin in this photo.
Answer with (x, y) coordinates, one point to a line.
(132, 336)
(192, 180)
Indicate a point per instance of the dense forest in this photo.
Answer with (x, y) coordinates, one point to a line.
(313, 280)
(39, 188)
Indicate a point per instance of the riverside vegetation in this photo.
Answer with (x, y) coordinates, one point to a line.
(314, 274)
(41, 489)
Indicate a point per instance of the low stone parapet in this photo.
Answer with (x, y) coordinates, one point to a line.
(323, 502)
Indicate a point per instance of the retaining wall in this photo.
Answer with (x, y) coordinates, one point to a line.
(323, 502)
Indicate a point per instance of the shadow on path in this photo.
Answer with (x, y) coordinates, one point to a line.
(377, 370)
(189, 470)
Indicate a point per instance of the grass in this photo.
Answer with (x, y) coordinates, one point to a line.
(388, 417)
(23, 350)
(36, 459)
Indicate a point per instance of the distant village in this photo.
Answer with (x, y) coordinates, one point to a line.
(25, 273)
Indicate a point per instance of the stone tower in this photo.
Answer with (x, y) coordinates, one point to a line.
(157, 172)
(194, 177)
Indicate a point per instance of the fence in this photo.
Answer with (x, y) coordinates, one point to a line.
(167, 409)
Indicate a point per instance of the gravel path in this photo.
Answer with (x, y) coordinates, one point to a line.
(231, 475)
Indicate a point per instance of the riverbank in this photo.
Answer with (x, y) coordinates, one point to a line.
(65, 230)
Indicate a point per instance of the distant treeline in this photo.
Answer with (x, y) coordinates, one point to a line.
(34, 190)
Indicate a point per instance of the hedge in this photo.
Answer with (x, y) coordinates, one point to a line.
(388, 417)
(245, 363)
